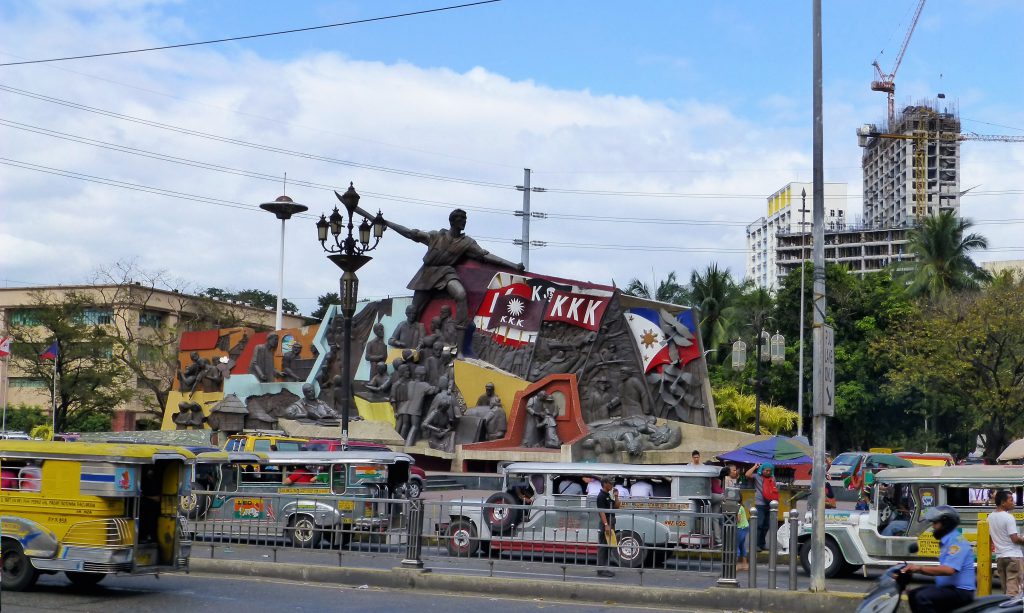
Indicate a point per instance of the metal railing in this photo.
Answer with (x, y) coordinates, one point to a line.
(564, 534)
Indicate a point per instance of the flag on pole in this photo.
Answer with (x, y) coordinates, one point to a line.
(50, 353)
(5, 346)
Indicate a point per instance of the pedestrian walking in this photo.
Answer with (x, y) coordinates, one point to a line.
(742, 530)
(1007, 541)
(606, 538)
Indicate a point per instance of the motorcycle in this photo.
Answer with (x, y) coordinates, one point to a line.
(885, 597)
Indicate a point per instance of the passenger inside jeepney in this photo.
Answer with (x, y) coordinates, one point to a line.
(301, 474)
(568, 486)
(895, 509)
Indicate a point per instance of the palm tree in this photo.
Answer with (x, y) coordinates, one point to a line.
(714, 293)
(669, 290)
(943, 264)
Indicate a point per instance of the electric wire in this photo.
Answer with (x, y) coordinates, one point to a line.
(251, 36)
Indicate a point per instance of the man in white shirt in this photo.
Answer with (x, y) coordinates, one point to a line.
(593, 486)
(641, 489)
(1002, 527)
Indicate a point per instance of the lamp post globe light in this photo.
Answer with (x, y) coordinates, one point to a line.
(283, 208)
(770, 348)
(348, 253)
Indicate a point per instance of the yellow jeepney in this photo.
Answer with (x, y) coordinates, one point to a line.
(90, 509)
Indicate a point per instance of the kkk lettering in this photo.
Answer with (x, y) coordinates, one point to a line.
(582, 310)
(516, 312)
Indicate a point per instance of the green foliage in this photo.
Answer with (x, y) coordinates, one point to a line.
(323, 303)
(669, 290)
(737, 411)
(89, 379)
(716, 295)
(89, 421)
(255, 297)
(24, 417)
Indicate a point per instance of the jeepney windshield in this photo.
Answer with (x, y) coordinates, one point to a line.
(695, 486)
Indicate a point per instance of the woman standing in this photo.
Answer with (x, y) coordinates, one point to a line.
(765, 491)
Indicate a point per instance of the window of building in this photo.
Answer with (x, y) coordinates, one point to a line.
(25, 317)
(150, 319)
(28, 382)
(97, 316)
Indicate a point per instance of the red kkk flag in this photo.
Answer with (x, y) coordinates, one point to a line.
(5, 346)
(50, 353)
(517, 312)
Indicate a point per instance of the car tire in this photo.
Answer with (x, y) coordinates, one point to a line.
(630, 552)
(835, 563)
(462, 539)
(414, 488)
(500, 517)
(304, 532)
(18, 572)
(193, 505)
(84, 580)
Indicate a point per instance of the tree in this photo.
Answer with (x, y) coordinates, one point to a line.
(715, 293)
(253, 297)
(89, 379)
(736, 411)
(323, 303)
(150, 310)
(943, 250)
(669, 290)
(962, 364)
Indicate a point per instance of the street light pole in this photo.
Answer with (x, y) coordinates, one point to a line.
(803, 271)
(348, 254)
(283, 208)
(757, 381)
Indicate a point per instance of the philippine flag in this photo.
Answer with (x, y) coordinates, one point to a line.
(5, 346)
(50, 353)
(656, 347)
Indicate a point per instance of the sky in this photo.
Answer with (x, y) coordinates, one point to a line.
(657, 128)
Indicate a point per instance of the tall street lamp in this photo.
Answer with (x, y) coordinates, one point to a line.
(348, 254)
(284, 207)
(769, 348)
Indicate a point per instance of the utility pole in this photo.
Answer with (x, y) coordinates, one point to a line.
(526, 214)
(803, 273)
(819, 354)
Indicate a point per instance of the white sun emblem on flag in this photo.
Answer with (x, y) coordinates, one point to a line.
(515, 307)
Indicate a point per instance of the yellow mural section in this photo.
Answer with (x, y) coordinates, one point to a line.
(471, 379)
(375, 411)
(205, 400)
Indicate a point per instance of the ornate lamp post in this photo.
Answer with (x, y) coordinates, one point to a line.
(348, 254)
(769, 348)
(283, 208)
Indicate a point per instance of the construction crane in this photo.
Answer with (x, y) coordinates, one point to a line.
(885, 82)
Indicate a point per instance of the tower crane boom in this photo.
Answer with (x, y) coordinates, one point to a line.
(886, 82)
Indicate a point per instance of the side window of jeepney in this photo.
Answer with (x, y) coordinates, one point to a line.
(22, 475)
(339, 478)
(229, 479)
(255, 475)
(694, 486)
(978, 496)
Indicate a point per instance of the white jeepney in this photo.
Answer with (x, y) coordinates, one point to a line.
(558, 522)
(884, 534)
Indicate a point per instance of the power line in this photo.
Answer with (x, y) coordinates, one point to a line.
(250, 36)
(258, 146)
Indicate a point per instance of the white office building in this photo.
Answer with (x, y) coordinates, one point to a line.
(786, 216)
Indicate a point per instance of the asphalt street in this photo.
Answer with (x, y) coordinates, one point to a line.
(201, 593)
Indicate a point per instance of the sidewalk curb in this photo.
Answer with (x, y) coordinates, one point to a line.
(781, 601)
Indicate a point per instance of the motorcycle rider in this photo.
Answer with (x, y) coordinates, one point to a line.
(954, 576)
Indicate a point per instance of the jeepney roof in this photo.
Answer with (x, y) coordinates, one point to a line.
(337, 457)
(630, 470)
(118, 453)
(231, 457)
(954, 474)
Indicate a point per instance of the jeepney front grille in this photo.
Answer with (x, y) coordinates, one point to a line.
(112, 532)
(107, 567)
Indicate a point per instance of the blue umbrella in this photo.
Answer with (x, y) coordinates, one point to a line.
(778, 450)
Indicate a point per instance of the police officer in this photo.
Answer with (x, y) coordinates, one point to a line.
(954, 576)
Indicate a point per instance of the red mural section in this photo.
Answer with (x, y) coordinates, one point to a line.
(570, 425)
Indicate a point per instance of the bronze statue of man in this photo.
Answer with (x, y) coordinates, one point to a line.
(445, 249)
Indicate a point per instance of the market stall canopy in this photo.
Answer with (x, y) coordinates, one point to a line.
(1014, 452)
(777, 450)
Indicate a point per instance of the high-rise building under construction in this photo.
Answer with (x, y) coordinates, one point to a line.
(912, 170)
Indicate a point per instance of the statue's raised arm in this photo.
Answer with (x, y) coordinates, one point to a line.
(445, 249)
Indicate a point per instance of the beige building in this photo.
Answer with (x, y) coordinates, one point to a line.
(145, 319)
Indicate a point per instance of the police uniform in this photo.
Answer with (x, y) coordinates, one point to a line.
(950, 591)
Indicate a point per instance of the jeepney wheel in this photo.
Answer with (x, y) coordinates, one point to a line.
(835, 564)
(631, 552)
(462, 539)
(304, 532)
(499, 516)
(18, 572)
(193, 506)
(84, 579)
(414, 488)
